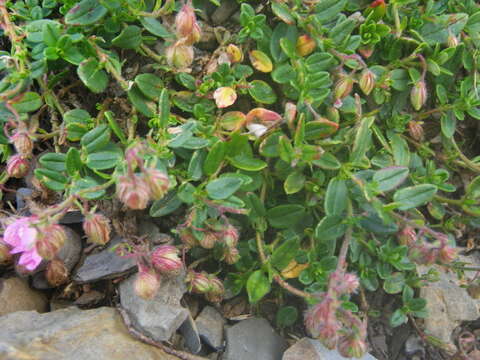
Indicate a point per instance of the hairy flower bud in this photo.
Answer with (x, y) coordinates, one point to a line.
(158, 182)
(407, 236)
(415, 130)
(165, 259)
(217, 290)
(418, 95)
(352, 346)
(231, 255)
(290, 114)
(22, 141)
(179, 55)
(186, 25)
(50, 240)
(97, 228)
(234, 53)
(452, 41)
(17, 166)
(199, 283)
(367, 81)
(133, 191)
(208, 240)
(343, 87)
(146, 283)
(5, 256)
(230, 236)
(188, 239)
(447, 254)
(305, 45)
(56, 272)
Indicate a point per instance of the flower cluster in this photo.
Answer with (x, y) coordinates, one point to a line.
(18, 165)
(332, 324)
(136, 189)
(207, 284)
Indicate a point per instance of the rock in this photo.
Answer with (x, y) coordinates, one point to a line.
(224, 11)
(448, 304)
(16, 295)
(72, 334)
(310, 349)
(253, 339)
(104, 265)
(21, 196)
(161, 316)
(190, 334)
(152, 233)
(72, 217)
(210, 325)
(70, 254)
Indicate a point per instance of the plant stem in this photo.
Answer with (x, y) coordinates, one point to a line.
(470, 164)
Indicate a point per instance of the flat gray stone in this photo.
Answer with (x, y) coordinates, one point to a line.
(210, 325)
(224, 11)
(72, 334)
(161, 316)
(16, 295)
(310, 349)
(104, 265)
(253, 339)
(190, 334)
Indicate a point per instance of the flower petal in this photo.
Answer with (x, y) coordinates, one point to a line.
(30, 259)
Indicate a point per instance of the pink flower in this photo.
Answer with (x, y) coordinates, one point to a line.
(21, 236)
(321, 320)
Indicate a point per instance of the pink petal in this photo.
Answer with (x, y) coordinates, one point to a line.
(30, 259)
(11, 235)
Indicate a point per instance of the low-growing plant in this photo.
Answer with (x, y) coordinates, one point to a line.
(323, 147)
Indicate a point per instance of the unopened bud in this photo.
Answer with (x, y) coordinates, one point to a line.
(231, 255)
(407, 236)
(158, 182)
(217, 290)
(17, 166)
(333, 114)
(452, 41)
(133, 191)
(179, 55)
(208, 240)
(343, 87)
(352, 346)
(50, 240)
(22, 141)
(56, 273)
(230, 236)
(305, 45)
(366, 51)
(186, 25)
(199, 283)
(447, 254)
(367, 81)
(418, 95)
(5, 256)
(166, 259)
(290, 114)
(97, 228)
(146, 283)
(187, 237)
(415, 130)
(234, 53)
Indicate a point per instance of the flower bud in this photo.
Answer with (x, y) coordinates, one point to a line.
(305, 45)
(5, 256)
(418, 95)
(217, 290)
(23, 142)
(56, 273)
(17, 166)
(186, 25)
(366, 51)
(97, 228)
(165, 259)
(224, 97)
(230, 236)
(234, 53)
(333, 114)
(179, 55)
(352, 346)
(407, 236)
(447, 254)
(208, 240)
(343, 87)
(146, 283)
(199, 283)
(367, 81)
(134, 154)
(290, 114)
(187, 237)
(452, 41)
(158, 182)
(415, 130)
(50, 240)
(231, 255)
(133, 191)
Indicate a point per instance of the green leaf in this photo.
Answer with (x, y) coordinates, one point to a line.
(285, 253)
(167, 205)
(283, 12)
(150, 85)
(115, 127)
(448, 123)
(96, 138)
(473, 188)
(363, 139)
(223, 188)
(398, 318)
(248, 163)
(141, 103)
(330, 228)
(258, 286)
(286, 315)
(285, 216)
(320, 61)
(91, 73)
(53, 161)
(73, 162)
(77, 123)
(87, 12)
(195, 171)
(328, 10)
(414, 196)
(164, 108)
(294, 182)
(27, 102)
(214, 158)
(186, 193)
(336, 197)
(107, 158)
(155, 27)
(88, 183)
(51, 179)
(282, 32)
(260, 91)
(328, 161)
(394, 283)
(389, 178)
(283, 74)
(129, 38)
(400, 150)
